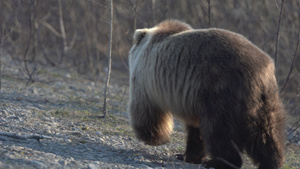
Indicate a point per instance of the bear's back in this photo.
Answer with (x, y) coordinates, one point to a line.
(204, 60)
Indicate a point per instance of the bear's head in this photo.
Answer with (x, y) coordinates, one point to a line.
(142, 38)
(160, 31)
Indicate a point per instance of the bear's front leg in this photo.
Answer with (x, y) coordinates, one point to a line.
(149, 123)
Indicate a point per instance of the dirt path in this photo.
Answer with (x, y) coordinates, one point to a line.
(65, 106)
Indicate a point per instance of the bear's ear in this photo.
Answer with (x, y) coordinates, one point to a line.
(138, 36)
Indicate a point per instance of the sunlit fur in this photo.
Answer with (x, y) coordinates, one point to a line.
(218, 83)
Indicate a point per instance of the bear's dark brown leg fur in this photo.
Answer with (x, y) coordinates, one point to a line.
(223, 127)
(268, 148)
(267, 152)
(267, 138)
(194, 152)
(224, 154)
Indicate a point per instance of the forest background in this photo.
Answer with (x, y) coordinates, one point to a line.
(74, 34)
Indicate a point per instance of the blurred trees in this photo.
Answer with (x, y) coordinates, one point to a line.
(74, 34)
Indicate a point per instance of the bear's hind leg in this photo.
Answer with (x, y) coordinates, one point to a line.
(223, 147)
(268, 150)
(224, 155)
(194, 148)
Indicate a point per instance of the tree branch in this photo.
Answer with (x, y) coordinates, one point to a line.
(292, 65)
(62, 26)
(52, 29)
(24, 137)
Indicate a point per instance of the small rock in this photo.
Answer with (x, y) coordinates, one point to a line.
(34, 90)
(2, 138)
(95, 162)
(19, 98)
(38, 164)
(4, 113)
(68, 76)
(101, 140)
(76, 129)
(45, 118)
(105, 160)
(14, 117)
(75, 133)
(3, 119)
(145, 166)
(48, 131)
(73, 162)
(59, 85)
(37, 123)
(63, 162)
(93, 166)
(92, 84)
(72, 88)
(68, 140)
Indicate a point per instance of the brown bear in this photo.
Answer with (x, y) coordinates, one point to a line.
(218, 83)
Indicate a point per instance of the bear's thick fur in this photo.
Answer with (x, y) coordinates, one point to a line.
(218, 83)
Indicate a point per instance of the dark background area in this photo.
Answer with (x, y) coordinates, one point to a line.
(74, 34)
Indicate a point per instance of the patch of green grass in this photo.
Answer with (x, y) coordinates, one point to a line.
(60, 113)
(114, 125)
(180, 149)
(82, 141)
(84, 128)
(292, 159)
(71, 113)
(111, 125)
(49, 73)
(11, 78)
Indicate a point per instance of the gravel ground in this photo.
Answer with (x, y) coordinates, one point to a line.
(65, 106)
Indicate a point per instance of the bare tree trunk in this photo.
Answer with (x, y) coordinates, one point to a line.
(97, 64)
(208, 1)
(278, 29)
(62, 30)
(31, 20)
(165, 12)
(2, 40)
(109, 55)
(135, 13)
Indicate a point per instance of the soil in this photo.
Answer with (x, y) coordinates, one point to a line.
(68, 107)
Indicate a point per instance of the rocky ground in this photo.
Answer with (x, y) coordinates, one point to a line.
(67, 107)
